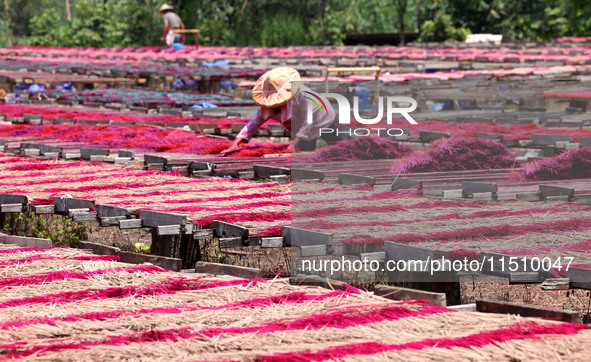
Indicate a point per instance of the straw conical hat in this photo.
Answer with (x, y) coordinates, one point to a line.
(165, 7)
(273, 89)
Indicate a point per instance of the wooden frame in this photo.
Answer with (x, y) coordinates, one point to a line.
(189, 31)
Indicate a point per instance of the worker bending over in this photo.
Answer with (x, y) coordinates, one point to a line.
(277, 99)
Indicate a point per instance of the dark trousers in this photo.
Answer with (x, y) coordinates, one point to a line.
(308, 146)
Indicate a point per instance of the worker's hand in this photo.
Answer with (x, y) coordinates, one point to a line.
(236, 146)
(162, 39)
(183, 38)
(229, 150)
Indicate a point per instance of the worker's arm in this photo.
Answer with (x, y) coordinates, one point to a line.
(165, 30)
(246, 133)
(252, 126)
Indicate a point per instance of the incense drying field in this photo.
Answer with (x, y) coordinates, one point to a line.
(127, 140)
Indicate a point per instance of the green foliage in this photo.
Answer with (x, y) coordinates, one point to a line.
(441, 29)
(62, 231)
(327, 32)
(144, 27)
(264, 23)
(578, 13)
(216, 22)
(4, 34)
(376, 16)
(534, 21)
(477, 15)
(281, 23)
(517, 20)
(47, 29)
(94, 24)
(280, 30)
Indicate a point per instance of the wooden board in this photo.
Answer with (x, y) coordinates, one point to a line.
(397, 293)
(497, 306)
(225, 269)
(162, 261)
(25, 242)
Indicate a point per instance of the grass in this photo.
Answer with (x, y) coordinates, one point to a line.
(61, 230)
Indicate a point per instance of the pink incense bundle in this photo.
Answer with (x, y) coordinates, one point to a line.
(457, 154)
(362, 148)
(572, 164)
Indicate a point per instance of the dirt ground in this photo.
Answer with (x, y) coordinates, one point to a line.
(489, 287)
(113, 236)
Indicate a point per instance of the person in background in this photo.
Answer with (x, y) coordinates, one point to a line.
(171, 22)
(277, 99)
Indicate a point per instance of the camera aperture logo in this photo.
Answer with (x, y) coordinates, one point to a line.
(316, 99)
(320, 101)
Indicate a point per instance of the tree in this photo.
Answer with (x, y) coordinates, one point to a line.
(9, 19)
(401, 6)
(417, 15)
(68, 12)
